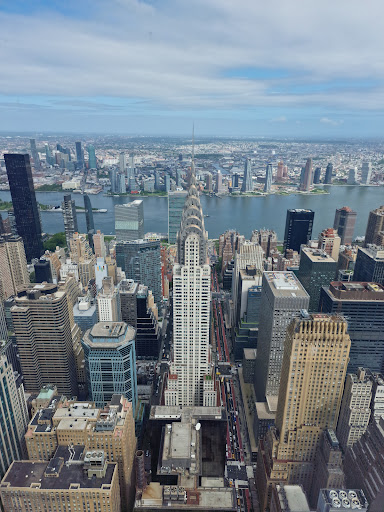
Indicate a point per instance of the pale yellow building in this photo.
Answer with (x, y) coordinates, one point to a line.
(313, 373)
(13, 265)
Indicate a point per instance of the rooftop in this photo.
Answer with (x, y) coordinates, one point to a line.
(292, 498)
(285, 284)
(317, 255)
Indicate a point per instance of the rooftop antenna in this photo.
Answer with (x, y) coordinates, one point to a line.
(193, 141)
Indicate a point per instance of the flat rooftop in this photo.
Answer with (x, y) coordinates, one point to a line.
(26, 474)
(163, 412)
(295, 496)
(109, 329)
(285, 284)
(317, 255)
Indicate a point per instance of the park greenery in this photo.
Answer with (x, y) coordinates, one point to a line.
(58, 239)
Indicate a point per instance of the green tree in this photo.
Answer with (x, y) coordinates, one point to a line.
(58, 239)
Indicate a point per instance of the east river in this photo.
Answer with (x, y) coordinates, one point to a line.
(241, 213)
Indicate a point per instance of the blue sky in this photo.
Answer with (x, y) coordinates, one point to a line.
(234, 68)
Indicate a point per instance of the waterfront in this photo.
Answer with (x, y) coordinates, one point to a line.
(241, 213)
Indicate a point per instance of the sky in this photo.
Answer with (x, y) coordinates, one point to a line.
(233, 67)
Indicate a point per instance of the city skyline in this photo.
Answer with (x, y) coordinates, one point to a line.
(169, 68)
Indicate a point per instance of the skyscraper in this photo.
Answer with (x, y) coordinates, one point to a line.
(79, 154)
(111, 348)
(129, 221)
(25, 207)
(329, 241)
(140, 260)
(344, 223)
(282, 298)
(328, 174)
(92, 162)
(34, 154)
(298, 228)
(108, 302)
(47, 338)
(268, 178)
(247, 180)
(316, 176)
(374, 226)
(316, 269)
(121, 187)
(312, 381)
(369, 266)
(352, 176)
(366, 171)
(355, 411)
(280, 171)
(363, 305)
(176, 202)
(13, 265)
(122, 162)
(70, 218)
(190, 380)
(306, 184)
(43, 271)
(14, 417)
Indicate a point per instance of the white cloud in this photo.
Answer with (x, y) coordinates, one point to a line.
(333, 122)
(176, 54)
(281, 119)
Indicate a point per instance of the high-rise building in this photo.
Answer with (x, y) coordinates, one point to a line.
(190, 379)
(70, 217)
(99, 245)
(316, 176)
(122, 163)
(140, 260)
(298, 228)
(14, 417)
(34, 154)
(138, 309)
(316, 269)
(26, 211)
(268, 178)
(43, 271)
(89, 219)
(363, 465)
(355, 408)
(374, 226)
(344, 223)
(13, 265)
(312, 381)
(280, 171)
(209, 182)
(328, 472)
(108, 302)
(129, 221)
(366, 171)
(92, 162)
(176, 202)
(363, 305)
(3, 324)
(79, 154)
(328, 174)
(352, 176)
(85, 313)
(219, 183)
(47, 338)
(110, 362)
(306, 184)
(369, 266)
(247, 185)
(329, 241)
(282, 298)
(167, 182)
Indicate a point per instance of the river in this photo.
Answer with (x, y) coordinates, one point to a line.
(241, 213)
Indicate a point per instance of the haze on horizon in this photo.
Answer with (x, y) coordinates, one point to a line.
(282, 69)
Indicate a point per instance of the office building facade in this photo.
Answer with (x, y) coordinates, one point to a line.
(316, 269)
(363, 305)
(13, 265)
(369, 266)
(47, 338)
(247, 185)
(92, 162)
(26, 210)
(34, 154)
(374, 226)
(129, 221)
(366, 172)
(141, 261)
(268, 178)
(110, 362)
(282, 298)
(298, 229)
(316, 351)
(329, 241)
(307, 181)
(344, 223)
(328, 174)
(176, 202)
(13, 417)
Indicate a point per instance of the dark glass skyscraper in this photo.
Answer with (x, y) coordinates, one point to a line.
(345, 219)
(34, 153)
(79, 154)
(328, 174)
(25, 207)
(316, 177)
(298, 228)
